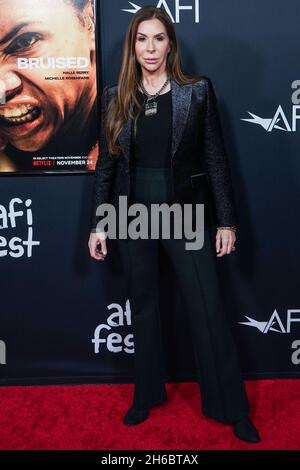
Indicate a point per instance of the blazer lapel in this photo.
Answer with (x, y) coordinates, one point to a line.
(181, 101)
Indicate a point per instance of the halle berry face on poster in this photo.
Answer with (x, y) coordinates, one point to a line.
(47, 85)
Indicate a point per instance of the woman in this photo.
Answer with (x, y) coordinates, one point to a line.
(170, 150)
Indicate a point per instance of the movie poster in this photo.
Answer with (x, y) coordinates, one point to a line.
(48, 86)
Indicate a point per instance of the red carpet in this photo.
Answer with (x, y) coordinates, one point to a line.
(90, 417)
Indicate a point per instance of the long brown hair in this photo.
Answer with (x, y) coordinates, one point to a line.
(118, 111)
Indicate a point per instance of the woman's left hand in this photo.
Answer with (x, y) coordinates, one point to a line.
(225, 241)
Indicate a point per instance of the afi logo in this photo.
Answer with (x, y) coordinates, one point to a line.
(106, 335)
(275, 323)
(279, 121)
(2, 352)
(17, 213)
(195, 6)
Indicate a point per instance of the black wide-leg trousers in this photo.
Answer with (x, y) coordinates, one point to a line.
(222, 391)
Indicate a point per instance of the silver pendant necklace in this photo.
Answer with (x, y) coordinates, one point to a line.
(150, 104)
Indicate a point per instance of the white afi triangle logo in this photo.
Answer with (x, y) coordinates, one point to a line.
(132, 10)
(178, 8)
(275, 323)
(272, 123)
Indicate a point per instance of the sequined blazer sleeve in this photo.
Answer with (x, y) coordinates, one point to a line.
(216, 161)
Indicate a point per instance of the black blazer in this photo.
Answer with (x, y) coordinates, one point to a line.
(200, 168)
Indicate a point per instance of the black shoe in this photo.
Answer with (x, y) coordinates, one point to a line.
(245, 430)
(135, 416)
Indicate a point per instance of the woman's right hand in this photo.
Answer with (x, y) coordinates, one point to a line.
(97, 246)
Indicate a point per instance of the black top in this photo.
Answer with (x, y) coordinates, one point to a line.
(152, 145)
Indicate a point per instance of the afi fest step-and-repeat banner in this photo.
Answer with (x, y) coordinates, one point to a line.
(66, 318)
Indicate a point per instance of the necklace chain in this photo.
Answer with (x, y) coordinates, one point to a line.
(156, 94)
(150, 104)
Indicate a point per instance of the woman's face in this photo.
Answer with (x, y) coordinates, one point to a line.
(35, 102)
(152, 42)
